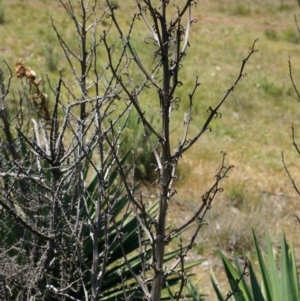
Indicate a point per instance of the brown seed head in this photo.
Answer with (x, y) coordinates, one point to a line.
(20, 69)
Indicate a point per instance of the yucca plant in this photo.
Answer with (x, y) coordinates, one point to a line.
(118, 242)
(195, 295)
(66, 216)
(144, 160)
(273, 283)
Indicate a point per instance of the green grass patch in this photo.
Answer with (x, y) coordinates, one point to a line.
(241, 9)
(291, 35)
(271, 34)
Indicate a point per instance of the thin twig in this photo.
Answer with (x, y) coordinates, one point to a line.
(289, 175)
(292, 79)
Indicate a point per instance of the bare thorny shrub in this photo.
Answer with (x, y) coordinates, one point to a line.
(62, 175)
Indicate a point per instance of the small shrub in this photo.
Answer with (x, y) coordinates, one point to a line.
(232, 231)
(269, 88)
(241, 10)
(115, 4)
(285, 6)
(144, 160)
(271, 35)
(51, 58)
(104, 22)
(237, 195)
(291, 36)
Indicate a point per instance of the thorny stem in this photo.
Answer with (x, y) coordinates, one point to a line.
(236, 290)
(289, 175)
(207, 199)
(214, 112)
(292, 79)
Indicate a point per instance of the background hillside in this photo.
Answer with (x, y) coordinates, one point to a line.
(256, 119)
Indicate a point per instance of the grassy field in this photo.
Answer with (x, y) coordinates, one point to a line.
(256, 119)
